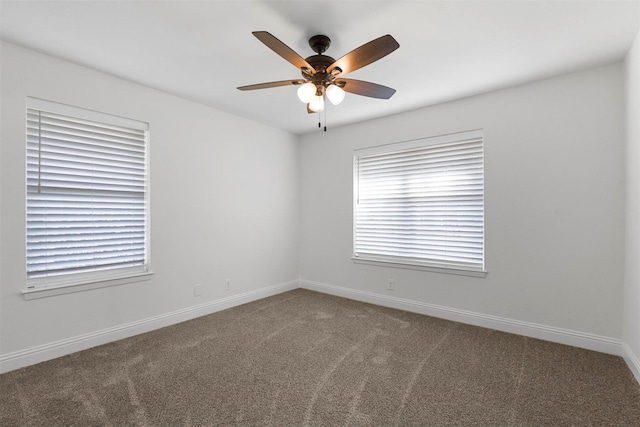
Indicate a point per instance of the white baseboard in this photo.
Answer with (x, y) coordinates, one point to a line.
(533, 330)
(632, 361)
(41, 353)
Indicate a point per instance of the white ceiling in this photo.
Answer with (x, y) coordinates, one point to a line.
(203, 50)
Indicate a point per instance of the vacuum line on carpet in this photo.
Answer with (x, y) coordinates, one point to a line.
(325, 377)
(512, 414)
(416, 373)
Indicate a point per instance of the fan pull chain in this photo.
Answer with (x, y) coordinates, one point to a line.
(320, 119)
(325, 119)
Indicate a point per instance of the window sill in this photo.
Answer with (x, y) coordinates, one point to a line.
(68, 288)
(433, 269)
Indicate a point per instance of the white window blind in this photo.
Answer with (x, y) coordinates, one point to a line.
(421, 202)
(86, 191)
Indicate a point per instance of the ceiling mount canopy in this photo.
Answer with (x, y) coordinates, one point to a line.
(319, 44)
(322, 75)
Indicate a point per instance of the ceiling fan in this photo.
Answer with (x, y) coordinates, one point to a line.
(322, 75)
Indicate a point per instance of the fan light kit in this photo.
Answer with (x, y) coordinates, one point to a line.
(322, 75)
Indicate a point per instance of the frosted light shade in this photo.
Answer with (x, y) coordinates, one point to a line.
(335, 94)
(317, 104)
(306, 92)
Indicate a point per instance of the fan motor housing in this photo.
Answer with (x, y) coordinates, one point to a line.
(320, 62)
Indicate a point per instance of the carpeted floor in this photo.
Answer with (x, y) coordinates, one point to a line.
(303, 358)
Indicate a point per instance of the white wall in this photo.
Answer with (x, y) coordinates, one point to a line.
(632, 266)
(554, 210)
(223, 205)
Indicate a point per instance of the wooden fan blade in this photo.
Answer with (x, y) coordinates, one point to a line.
(283, 50)
(365, 54)
(372, 90)
(272, 84)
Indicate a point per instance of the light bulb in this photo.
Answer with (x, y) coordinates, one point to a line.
(335, 94)
(306, 92)
(316, 104)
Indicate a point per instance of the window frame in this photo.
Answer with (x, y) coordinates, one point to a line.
(423, 264)
(39, 287)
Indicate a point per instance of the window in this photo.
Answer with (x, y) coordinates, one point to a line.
(421, 203)
(86, 196)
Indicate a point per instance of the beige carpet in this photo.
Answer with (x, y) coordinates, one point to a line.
(307, 359)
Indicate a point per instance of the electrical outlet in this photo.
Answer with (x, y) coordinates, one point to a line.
(197, 290)
(227, 284)
(391, 284)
